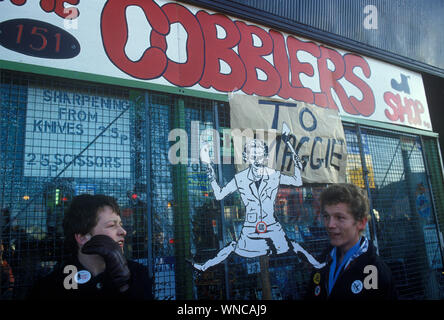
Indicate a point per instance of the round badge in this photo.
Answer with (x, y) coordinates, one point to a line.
(261, 227)
(83, 276)
(317, 290)
(356, 286)
(317, 278)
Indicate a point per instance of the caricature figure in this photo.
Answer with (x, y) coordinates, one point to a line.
(258, 185)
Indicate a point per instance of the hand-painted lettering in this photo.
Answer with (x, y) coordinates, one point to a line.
(56, 6)
(229, 55)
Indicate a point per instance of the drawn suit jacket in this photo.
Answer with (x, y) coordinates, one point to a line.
(259, 202)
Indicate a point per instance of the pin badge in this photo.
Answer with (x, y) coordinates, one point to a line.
(317, 278)
(356, 286)
(83, 276)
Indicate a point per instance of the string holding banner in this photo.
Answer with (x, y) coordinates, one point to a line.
(317, 136)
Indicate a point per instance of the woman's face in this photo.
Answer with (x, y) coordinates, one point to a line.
(110, 224)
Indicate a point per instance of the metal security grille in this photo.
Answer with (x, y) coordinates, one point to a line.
(435, 170)
(391, 167)
(60, 138)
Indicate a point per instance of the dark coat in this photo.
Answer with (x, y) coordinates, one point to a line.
(53, 286)
(351, 283)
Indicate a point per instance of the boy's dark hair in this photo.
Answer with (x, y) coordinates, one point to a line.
(347, 193)
(81, 216)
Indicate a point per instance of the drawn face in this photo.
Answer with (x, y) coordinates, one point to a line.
(256, 156)
(342, 228)
(110, 224)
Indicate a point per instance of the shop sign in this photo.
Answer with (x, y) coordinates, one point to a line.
(175, 44)
(69, 134)
(164, 275)
(85, 188)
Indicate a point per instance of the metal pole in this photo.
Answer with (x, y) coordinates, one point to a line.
(148, 185)
(429, 183)
(221, 203)
(367, 186)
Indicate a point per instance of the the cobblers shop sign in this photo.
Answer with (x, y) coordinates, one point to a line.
(170, 43)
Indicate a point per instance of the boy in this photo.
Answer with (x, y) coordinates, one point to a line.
(353, 271)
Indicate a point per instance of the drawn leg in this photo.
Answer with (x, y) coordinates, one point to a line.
(221, 256)
(297, 248)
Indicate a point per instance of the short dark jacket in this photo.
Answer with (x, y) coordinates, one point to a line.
(51, 287)
(351, 283)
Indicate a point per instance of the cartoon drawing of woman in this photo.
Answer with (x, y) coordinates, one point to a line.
(258, 185)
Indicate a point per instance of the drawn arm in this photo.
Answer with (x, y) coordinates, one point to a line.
(296, 179)
(219, 192)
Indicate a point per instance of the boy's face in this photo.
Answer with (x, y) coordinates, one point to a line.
(342, 228)
(110, 224)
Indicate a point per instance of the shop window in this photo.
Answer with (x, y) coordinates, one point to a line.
(50, 153)
(61, 138)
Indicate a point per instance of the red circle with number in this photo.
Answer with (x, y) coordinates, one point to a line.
(261, 227)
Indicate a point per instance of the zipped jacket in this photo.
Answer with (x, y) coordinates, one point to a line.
(364, 277)
(56, 285)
